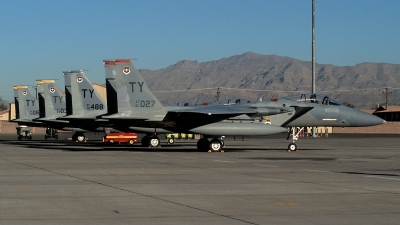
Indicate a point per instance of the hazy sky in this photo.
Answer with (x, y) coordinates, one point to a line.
(40, 38)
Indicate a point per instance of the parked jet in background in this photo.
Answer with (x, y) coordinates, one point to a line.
(83, 103)
(26, 106)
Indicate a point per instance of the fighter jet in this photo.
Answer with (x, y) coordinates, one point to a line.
(47, 111)
(131, 103)
(52, 106)
(84, 104)
(26, 106)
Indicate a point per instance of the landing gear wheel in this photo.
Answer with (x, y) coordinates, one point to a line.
(215, 145)
(171, 141)
(111, 141)
(131, 142)
(203, 144)
(145, 141)
(80, 138)
(154, 142)
(292, 147)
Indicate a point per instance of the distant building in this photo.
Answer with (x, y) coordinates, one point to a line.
(4, 114)
(391, 114)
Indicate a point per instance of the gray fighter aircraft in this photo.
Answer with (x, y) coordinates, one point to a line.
(26, 106)
(52, 106)
(83, 103)
(85, 106)
(47, 110)
(131, 103)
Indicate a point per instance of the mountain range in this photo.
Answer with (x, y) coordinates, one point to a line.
(253, 76)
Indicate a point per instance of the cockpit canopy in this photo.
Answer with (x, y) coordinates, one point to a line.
(312, 98)
(182, 104)
(230, 101)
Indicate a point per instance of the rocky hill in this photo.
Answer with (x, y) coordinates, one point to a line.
(255, 76)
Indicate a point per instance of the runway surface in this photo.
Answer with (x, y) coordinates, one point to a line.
(343, 179)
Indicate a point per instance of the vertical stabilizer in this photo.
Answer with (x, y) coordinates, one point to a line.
(111, 90)
(53, 98)
(83, 100)
(26, 105)
(134, 98)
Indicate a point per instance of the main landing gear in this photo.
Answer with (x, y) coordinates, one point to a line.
(294, 133)
(78, 137)
(151, 140)
(214, 145)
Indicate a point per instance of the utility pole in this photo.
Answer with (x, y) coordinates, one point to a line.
(313, 56)
(217, 96)
(387, 92)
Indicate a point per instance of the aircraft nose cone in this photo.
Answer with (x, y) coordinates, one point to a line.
(365, 119)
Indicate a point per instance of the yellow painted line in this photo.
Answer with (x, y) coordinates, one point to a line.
(286, 203)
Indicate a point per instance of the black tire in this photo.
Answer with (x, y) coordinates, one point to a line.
(145, 141)
(154, 142)
(80, 138)
(203, 144)
(292, 147)
(215, 145)
(74, 136)
(171, 141)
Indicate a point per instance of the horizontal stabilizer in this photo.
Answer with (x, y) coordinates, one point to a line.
(120, 116)
(46, 119)
(27, 121)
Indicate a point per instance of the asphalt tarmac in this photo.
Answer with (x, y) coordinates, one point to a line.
(343, 179)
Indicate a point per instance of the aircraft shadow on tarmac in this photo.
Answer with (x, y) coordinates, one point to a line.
(293, 158)
(100, 146)
(373, 174)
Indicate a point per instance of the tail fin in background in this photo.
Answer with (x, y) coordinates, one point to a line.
(111, 91)
(129, 90)
(83, 100)
(51, 100)
(26, 105)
